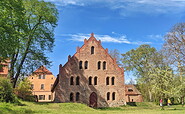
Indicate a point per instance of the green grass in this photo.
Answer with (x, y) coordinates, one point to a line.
(76, 108)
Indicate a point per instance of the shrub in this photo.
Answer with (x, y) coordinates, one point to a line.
(23, 90)
(6, 91)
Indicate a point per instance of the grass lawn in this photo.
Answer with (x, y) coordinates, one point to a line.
(69, 108)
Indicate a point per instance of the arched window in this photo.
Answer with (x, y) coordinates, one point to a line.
(107, 81)
(104, 65)
(90, 80)
(77, 96)
(80, 65)
(113, 80)
(108, 95)
(99, 65)
(113, 96)
(71, 80)
(95, 80)
(92, 50)
(77, 80)
(86, 65)
(71, 97)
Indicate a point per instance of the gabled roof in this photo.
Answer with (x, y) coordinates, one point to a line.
(42, 69)
(134, 92)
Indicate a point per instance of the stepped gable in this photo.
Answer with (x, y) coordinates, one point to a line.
(98, 42)
(42, 70)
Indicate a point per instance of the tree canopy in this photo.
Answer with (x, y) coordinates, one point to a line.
(27, 34)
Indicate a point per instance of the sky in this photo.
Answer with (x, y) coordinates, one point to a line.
(119, 24)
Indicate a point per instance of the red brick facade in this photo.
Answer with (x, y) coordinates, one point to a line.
(91, 76)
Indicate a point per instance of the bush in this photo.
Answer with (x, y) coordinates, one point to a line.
(6, 91)
(23, 90)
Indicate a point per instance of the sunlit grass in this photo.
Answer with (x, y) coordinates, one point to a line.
(71, 108)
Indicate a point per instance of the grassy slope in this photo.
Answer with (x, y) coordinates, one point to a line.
(59, 108)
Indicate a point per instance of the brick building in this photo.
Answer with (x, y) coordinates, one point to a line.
(132, 94)
(42, 81)
(4, 68)
(91, 76)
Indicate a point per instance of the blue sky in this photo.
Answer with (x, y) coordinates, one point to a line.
(120, 24)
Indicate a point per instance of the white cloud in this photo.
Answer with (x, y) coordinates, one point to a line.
(128, 7)
(104, 38)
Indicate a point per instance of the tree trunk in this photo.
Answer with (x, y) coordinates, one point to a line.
(182, 100)
(150, 95)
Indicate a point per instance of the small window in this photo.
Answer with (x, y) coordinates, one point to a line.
(41, 97)
(113, 80)
(107, 81)
(49, 97)
(113, 96)
(40, 76)
(71, 80)
(77, 96)
(71, 97)
(77, 80)
(80, 65)
(130, 90)
(92, 50)
(104, 65)
(32, 86)
(42, 86)
(43, 76)
(108, 96)
(99, 65)
(86, 65)
(95, 80)
(90, 80)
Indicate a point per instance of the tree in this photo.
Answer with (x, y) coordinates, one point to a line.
(6, 91)
(174, 47)
(11, 22)
(148, 65)
(23, 90)
(139, 62)
(32, 37)
(115, 54)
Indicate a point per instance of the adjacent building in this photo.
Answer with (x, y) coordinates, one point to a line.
(91, 76)
(42, 81)
(132, 94)
(4, 69)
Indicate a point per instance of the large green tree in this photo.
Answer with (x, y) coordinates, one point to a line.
(174, 49)
(148, 65)
(29, 32)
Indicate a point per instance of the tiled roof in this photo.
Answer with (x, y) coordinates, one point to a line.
(42, 69)
(134, 92)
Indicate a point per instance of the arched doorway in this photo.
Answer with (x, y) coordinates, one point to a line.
(93, 100)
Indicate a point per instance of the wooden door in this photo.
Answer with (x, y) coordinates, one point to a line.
(93, 100)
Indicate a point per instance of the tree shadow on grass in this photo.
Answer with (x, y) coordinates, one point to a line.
(110, 108)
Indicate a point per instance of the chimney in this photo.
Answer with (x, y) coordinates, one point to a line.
(78, 49)
(99, 42)
(69, 57)
(106, 50)
(60, 68)
(85, 41)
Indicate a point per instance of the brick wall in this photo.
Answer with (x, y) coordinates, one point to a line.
(64, 89)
